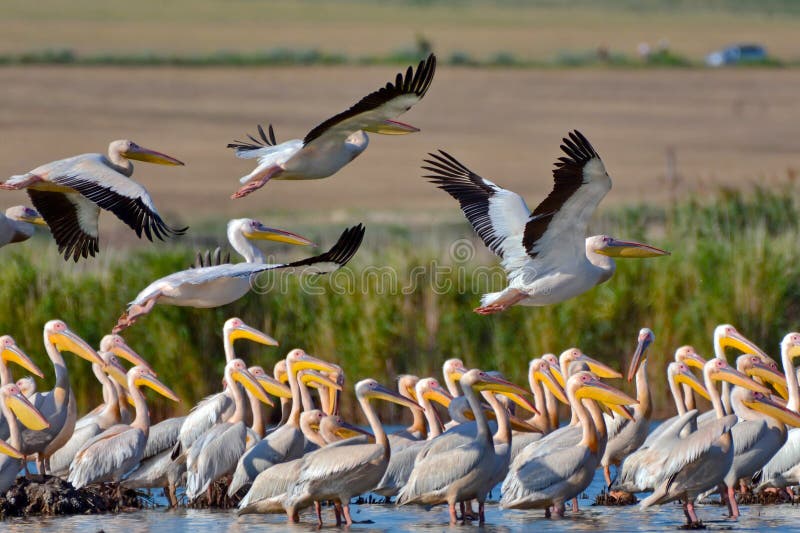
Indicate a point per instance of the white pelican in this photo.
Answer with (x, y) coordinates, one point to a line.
(27, 385)
(783, 470)
(465, 472)
(15, 406)
(693, 464)
(18, 224)
(546, 254)
(116, 451)
(215, 453)
(10, 352)
(217, 407)
(222, 284)
(285, 443)
(342, 471)
(57, 405)
(340, 139)
(625, 435)
(550, 478)
(69, 194)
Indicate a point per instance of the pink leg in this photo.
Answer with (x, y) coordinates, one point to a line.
(135, 311)
(688, 509)
(509, 298)
(732, 505)
(20, 182)
(575, 505)
(318, 509)
(607, 475)
(256, 182)
(348, 520)
(453, 516)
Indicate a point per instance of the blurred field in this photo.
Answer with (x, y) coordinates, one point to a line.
(726, 127)
(532, 30)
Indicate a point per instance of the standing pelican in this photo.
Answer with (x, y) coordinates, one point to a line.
(15, 406)
(27, 385)
(69, 194)
(285, 443)
(625, 435)
(340, 139)
(546, 254)
(115, 452)
(18, 224)
(465, 472)
(57, 405)
(10, 352)
(214, 286)
(215, 453)
(693, 464)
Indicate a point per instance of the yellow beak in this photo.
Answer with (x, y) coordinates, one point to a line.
(600, 369)
(7, 449)
(126, 352)
(347, 430)
(263, 233)
(67, 341)
(629, 249)
(309, 361)
(382, 393)
(26, 413)
(252, 385)
(391, 127)
(694, 360)
(246, 332)
(694, 383)
(117, 373)
(274, 387)
(548, 378)
(140, 153)
(734, 377)
(741, 343)
(439, 395)
(153, 383)
(597, 390)
(764, 404)
(14, 354)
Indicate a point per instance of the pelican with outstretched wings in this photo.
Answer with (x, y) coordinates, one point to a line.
(338, 140)
(546, 254)
(69, 194)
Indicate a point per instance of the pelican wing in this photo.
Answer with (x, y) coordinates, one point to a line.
(106, 453)
(557, 227)
(746, 433)
(614, 424)
(72, 220)
(784, 460)
(163, 436)
(435, 472)
(387, 102)
(682, 451)
(543, 471)
(330, 464)
(497, 215)
(255, 147)
(209, 411)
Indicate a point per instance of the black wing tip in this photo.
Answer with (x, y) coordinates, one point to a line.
(342, 252)
(255, 144)
(578, 149)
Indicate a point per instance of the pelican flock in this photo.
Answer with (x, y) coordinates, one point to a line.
(478, 439)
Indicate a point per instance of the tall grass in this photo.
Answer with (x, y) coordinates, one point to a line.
(734, 259)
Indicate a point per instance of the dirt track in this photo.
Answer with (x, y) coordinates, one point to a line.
(726, 126)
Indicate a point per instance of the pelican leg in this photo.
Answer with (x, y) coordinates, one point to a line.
(733, 507)
(136, 310)
(607, 475)
(561, 510)
(481, 515)
(453, 516)
(40, 464)
(257, 180)
(348, 520)
(691, 516)
(20, 182)
(337, 511)
(508, 298)
(790, 493)
(575, 505)
(318, 509)
(547, 512)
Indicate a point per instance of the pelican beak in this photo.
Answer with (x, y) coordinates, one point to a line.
(438, 394)
(14, 354)
(246, 332)
(521, 401)
(548, 377)
(734, 377)
(252, 385)
(513, 392)
(621, 410)
(347, 430)
(741, 343)
(316, 380)
(600, 369)
(518, 424)
(597, 390)
(309, 361)
(694, 360)
(333, 393)
(140, 153)
(153, 383)
(126, 352)
(32, 216)
(628, 249)
(263, 233)
(764, 404)
(117, 373)
(638, 356)
(26, 413)
(391, 127)
(274, 387)
(7, 449)
(413, 393)
(67, 341)
(696, 385)
(382, 393)
(770, 375)
(559, 377)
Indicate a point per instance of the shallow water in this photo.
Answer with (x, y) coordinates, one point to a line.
(417, 519)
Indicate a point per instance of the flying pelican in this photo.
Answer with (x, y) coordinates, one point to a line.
(15, 406)
(552, 477)
(69, 194)
(222, 284)
(340, 472)
(56, 405)
(340, 139)
(285, 443)
(464, 472)
(625, 435)
(546, 254)
(635, 475)
(693, 464)
(783, 470)
(219, 448)
(18, 224)
(217, 407)
(115, 452)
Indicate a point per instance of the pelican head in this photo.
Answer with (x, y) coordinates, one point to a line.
(131, 150)
(117, 345)
(645, 339)
(540, 370)
(115, 370)
(255, 230)
(311, 419)
(752, 365)
(791, 345)
(27, 385)
(235, 329)
(369, 389)
(574, 355)
(280, 372)
(139, 376)
(717, 369)
(681, 373)
(22, 213)
(298, 359)
(430, 389)
(764, 404)
(605, 245)
(23, 409)
(270, 384)
(726, 336)
(587, 385)
(325, 385)
(9, 351)
(406, 384)
(688, 355)
(480, 381)
(452, 370)
(236, 370)
(57, 333)
(335, 424)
